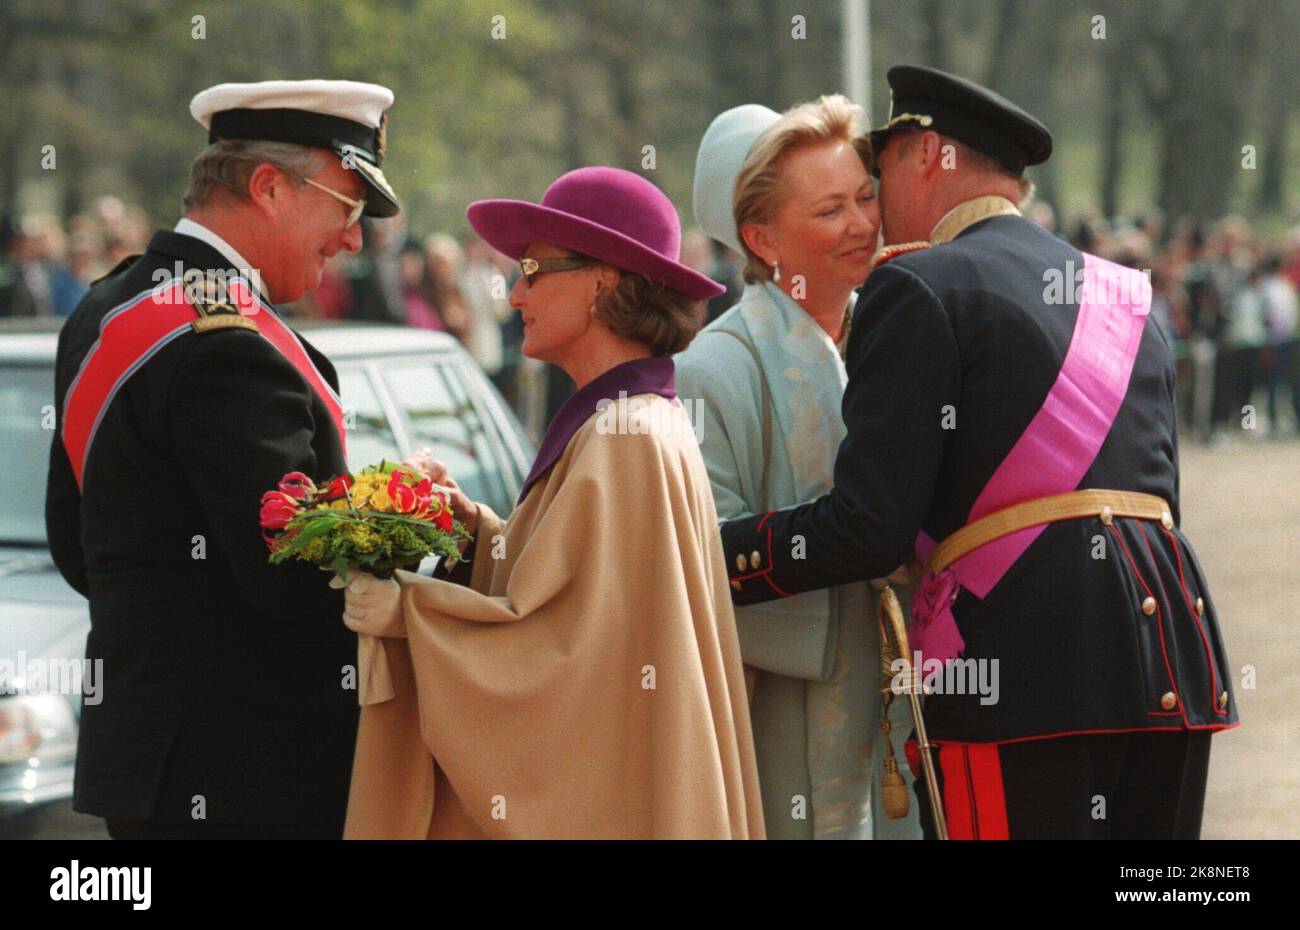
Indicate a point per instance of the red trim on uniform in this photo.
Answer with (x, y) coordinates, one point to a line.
(1159, 626)
(984, 772)
(1164, 598)
(766, 573)
(1196, 726)
(890, 252)
(974, 800)
(913, 751)
(771, 564)
(130, 334)
(1196, 618)
(958, 805)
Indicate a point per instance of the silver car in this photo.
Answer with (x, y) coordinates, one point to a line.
(406, 388)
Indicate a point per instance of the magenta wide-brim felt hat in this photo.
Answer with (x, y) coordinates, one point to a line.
(606, 213)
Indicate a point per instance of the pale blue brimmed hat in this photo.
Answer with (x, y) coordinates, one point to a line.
(723, 150)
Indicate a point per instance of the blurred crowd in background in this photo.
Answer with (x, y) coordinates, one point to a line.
(1225, 298)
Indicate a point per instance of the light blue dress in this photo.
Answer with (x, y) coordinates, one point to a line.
(816, 703)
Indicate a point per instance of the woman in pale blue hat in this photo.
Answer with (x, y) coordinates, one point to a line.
(792, 193)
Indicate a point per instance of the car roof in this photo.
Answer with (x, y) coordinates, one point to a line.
(34, 341)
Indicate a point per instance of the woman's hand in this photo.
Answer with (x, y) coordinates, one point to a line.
(464, 509)
(372, 606)
(422, 460)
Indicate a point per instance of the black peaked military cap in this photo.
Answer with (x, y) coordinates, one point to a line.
(928, 98)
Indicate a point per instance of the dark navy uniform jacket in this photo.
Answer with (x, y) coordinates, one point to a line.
(223, 675)
(964, 328)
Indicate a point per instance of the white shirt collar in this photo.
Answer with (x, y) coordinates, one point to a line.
(187, 227)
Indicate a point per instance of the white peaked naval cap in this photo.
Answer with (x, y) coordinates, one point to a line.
(347, 117)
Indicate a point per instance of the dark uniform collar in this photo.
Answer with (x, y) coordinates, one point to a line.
(193, 252)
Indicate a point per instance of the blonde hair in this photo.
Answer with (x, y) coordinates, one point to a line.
(830, 118)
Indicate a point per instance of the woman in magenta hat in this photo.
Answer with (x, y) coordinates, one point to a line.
(577, 674)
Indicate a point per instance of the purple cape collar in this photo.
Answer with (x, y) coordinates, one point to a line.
(639, 376)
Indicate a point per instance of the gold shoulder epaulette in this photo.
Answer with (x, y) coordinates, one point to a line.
(889, 252)
(211, 302)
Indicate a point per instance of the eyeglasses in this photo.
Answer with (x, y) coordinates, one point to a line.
(356, 205)
(532, 267)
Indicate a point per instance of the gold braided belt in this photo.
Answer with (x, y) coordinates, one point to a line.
(1094, 503)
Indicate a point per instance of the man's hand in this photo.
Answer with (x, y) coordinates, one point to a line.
(464, 509)
(372, 606)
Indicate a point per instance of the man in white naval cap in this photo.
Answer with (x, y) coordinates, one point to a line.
(183, 397)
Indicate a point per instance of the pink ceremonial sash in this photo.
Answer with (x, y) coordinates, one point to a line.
(1055, 451)
(132, 333)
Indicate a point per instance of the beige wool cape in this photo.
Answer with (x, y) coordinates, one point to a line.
(588, 682)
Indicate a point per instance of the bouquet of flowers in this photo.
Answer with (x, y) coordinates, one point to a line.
(378, 520)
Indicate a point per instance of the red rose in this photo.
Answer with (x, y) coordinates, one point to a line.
(401, 493)
(442, 520)
(338, 488)
(423, 499)
(278, 508)
(298, 486)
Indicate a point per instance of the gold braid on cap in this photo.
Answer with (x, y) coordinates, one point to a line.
(922, 118)
(381, 143)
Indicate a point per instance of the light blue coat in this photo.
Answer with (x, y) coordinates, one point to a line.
(816, 704)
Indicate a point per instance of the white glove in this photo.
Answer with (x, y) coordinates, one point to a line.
(372, 606)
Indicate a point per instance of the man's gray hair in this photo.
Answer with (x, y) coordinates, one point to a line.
(229, 163)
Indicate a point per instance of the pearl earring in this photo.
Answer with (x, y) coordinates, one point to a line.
(776, 272)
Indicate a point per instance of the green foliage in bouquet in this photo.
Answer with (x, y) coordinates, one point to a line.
(383, 518)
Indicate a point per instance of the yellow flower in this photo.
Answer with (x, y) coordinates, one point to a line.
(381, 501)
(362, 537)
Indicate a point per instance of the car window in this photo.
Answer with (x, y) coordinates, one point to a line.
(26, 430)
(468, 385)
(438, 414)
(370, 435)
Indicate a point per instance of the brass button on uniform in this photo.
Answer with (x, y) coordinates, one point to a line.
(740, 561)
(1149, 606)
(1223, 701)
(1167, 520)
(1169, 701)
(754, 559)
(1200, 607)
(1107, 516)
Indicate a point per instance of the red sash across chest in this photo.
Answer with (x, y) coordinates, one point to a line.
(132, 333)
